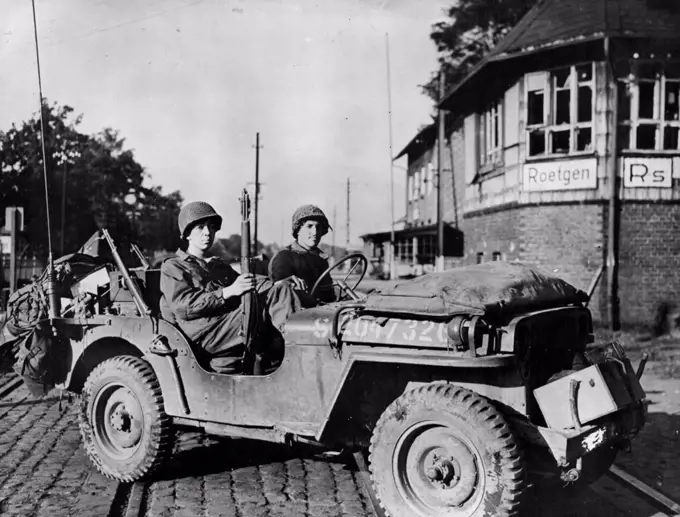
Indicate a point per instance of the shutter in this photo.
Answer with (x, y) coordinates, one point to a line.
(471, 135)
(511, 117)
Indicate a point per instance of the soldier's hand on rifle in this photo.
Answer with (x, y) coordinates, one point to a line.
(244, 283)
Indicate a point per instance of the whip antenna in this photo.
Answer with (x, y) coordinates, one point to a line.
(51, 287)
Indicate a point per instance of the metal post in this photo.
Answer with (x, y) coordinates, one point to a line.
(13, 250)
(348, 194)
(440, 168)
(63, 210)
(257, 190)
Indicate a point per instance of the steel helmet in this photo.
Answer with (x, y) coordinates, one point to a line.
(195, 212)
(309, 212)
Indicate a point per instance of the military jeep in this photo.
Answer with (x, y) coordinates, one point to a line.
(465, 387)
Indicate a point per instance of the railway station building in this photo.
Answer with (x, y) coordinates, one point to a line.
(562, 150)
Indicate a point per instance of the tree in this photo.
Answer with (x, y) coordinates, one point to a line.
(474, 27)
(92, 180)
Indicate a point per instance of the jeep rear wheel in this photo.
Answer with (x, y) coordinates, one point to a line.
(441, 450)
(124, 428)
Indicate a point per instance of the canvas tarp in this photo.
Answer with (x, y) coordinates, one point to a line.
(476, 290)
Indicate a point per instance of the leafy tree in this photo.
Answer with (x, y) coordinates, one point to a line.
(473, 28)
(92, 179)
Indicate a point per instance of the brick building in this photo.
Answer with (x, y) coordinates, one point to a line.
(535, 169)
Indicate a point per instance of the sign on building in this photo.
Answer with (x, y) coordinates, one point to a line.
(559, 175)
(10, 212)
(647, 172)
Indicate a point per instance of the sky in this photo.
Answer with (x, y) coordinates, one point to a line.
(189, 84)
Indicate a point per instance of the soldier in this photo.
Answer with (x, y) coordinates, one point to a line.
(203, 295)
(302, 262)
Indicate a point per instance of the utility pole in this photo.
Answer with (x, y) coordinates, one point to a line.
(257, 190)
(348, 194)
(389, 119)
(440, 166)
(13, 228)
(334, 220)
(63, 209)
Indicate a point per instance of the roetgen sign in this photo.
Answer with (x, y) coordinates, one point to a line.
(560, 175)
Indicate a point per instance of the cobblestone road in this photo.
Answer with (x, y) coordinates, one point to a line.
(43, 472)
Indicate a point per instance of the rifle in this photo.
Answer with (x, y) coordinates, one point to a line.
(247, 305)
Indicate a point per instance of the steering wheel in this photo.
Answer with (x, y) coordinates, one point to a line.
(349, 291)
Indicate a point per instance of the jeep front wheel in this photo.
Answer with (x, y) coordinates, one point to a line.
(441, 450)
(125, 431)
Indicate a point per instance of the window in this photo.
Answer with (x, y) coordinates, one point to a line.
(649, 109)
(430, 178)
(480, 257)
(427, 249)
(411, 191)
(496, 256)
(490, 141)
(559, 116)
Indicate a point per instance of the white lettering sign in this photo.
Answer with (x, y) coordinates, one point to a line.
(647, 172)
(560, 175)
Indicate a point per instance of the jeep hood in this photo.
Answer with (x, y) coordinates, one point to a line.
(492, 287)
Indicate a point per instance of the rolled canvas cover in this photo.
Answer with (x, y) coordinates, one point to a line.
(476, 290)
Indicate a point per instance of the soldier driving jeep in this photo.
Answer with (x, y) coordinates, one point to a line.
(303, 261)
(202, 295)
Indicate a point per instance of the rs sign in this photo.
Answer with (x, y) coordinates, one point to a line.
(647, 172)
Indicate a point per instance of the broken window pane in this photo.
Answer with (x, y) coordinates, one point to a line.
(646, 136)
(536, 142)
(562, 106)
(561, 141)
(584, 72)
(585, 104)
(561, 77)
(648, 70)
(671, 111)
(624, 102)
(646, 100)
(535, 108)
(623, 138)
(584, 138)
(672, 70)
(670, 138)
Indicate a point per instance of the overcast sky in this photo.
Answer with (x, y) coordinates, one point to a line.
(189, 83)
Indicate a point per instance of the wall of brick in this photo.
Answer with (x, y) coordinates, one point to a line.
(649, 259)
(566, 239)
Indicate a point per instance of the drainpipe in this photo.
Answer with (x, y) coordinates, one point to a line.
(612, 93)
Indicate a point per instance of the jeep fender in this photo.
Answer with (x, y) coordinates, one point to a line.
(374, 378)
(108, 337)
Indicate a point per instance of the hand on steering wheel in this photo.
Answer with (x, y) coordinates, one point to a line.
(346, 289)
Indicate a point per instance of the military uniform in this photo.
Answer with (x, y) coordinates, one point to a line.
(305, 264)
(192, 298)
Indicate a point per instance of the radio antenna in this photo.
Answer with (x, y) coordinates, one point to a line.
(51, 289)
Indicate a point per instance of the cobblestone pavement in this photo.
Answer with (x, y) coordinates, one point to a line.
(43, 472)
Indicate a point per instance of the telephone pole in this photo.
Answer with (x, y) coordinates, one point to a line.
(348, 194)
(334, 220)
(257, 190)
(440, 169)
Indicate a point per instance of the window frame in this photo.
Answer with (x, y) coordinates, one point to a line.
(631, 88)
(549, 124)
(491, 139)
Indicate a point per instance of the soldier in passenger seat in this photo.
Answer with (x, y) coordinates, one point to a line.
(202, 295)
